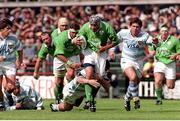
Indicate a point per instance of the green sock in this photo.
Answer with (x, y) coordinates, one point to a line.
(58, 91)
(159, 93)
(88, 91)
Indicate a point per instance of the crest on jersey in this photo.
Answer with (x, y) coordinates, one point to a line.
(101, 32)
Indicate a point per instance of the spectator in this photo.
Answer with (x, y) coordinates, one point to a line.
(148, 67)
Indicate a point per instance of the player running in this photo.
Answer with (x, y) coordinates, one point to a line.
(100, 36)
(133, 52)
(167, 48)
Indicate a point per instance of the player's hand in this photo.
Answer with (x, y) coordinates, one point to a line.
(1, 58)
(19, 106)
(155, 41)
(75, 65)
(79, 42)
(36, 76)
(178, 57)
(173, 56)
(112, 55)
(94, 83)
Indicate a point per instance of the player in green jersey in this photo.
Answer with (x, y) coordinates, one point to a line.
(46, 48)
(100, 37)
(166, 48)
(63, 24)
(67, 54)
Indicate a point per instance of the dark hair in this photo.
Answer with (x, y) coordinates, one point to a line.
(136, 20)
(5, 22)
(74, 26)
(44, 33)
(165, 25)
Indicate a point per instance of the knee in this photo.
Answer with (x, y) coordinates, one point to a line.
(158, 83)
(171, 86)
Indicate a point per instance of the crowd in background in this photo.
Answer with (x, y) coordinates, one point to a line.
(30, 22)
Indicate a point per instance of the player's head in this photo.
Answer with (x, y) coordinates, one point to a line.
(45, 37)
(5, 27)
(164, 32)
(74, 28)
(63, 24)
(94, 22)
(135, 26)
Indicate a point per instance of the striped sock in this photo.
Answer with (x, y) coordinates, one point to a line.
(133, 87)
(128, 94)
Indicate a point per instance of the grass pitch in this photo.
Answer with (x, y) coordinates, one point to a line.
(107, 109)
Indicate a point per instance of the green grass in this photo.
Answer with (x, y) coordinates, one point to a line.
(107, 109)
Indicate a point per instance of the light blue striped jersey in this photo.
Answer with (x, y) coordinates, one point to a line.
(133, 47)
(9, 46)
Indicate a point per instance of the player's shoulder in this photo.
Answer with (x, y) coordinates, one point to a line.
(85, 26)
(173, 38)
(143, 33)
(124, 32)
(54, 31)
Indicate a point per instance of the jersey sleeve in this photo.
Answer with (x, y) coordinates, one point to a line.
(42, 52)
(82, 31)
(112, 35)
(178, 46)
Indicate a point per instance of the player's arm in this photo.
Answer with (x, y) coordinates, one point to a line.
(151, 46)
(177, 54)
(113, 40)
(37, 66)
(92, 82)
(41, 56)
(19, 59)
(59, 53)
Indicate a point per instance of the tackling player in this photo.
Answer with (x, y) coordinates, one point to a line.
(74, 91)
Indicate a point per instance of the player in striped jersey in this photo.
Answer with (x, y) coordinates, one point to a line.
(9, 47)
(74, 91)
(133, 52)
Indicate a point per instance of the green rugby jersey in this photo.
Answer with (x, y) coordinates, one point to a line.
(99, 38)
(46, 50)
(166, 48)
(63, 45)
(55, 33)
